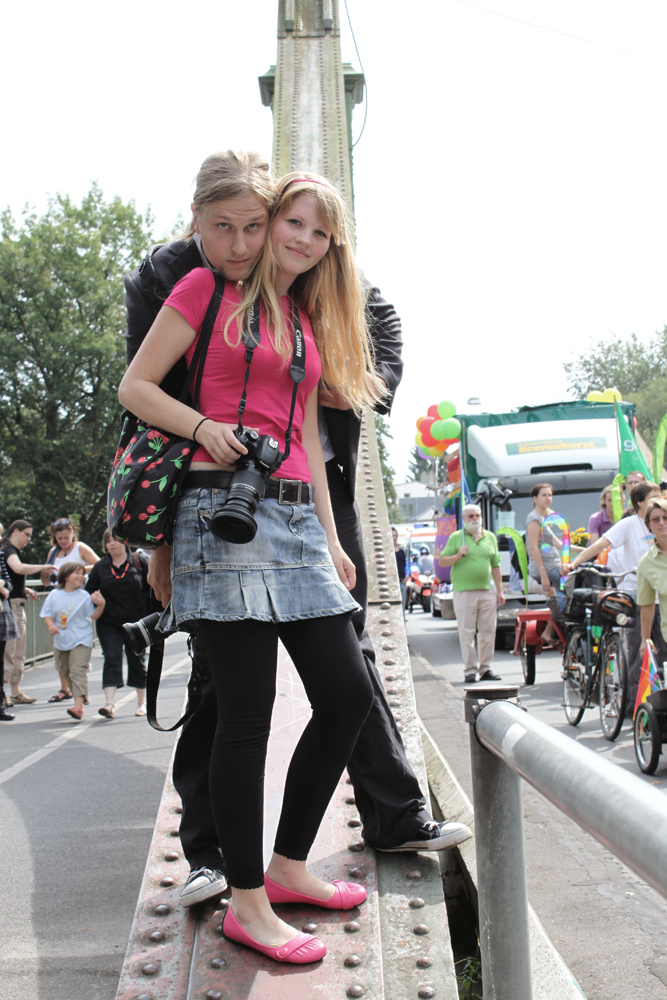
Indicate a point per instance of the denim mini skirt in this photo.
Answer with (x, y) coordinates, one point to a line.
(284, 574)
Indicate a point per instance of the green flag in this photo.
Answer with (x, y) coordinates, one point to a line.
(617, 496)
(659, 450)
(630, 459)
(520, 551)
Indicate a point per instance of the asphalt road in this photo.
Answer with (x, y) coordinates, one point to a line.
(610, 928)
(78, 802)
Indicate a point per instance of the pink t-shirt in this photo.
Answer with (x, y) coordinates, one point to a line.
(269, 392)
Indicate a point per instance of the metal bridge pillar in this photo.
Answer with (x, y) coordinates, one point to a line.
(312, 94)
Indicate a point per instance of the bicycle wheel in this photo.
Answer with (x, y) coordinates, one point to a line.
(576, 681)
(528, 663)
(648, 738)
(613, 685)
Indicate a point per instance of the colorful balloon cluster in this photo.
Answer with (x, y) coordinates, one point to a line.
(437, 430)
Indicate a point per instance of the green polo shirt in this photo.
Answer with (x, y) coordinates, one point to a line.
(652, 580)
(473, 572)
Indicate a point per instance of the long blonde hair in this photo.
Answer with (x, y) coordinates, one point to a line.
(331, 293)
(232, 174)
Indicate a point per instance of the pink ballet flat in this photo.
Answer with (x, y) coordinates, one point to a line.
(300, 950)
(346, 896)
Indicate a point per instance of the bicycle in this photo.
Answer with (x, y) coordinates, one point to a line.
(595, 666)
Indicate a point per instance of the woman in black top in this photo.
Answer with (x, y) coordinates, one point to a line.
(8, 629)
(122, 587)
(18, 536)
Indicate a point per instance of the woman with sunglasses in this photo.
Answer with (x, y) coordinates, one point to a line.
(65, 547)
(292, 580)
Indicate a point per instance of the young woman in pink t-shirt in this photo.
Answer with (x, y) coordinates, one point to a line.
(292, 580)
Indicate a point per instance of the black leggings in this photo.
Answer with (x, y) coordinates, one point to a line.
(243, 659)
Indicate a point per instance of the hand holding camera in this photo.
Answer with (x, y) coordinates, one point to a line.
(221, 442)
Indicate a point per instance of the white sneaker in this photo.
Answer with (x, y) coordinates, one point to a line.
(141, 710)
(435, 836)
(202, 884)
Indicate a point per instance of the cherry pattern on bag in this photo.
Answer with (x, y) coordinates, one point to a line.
(135, 499)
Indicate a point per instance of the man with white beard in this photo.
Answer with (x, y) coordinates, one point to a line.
(474, 558)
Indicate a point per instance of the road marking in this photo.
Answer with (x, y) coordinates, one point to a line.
(64, 738)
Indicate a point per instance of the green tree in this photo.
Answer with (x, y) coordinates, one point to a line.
(417, 465)
(62, 355)
(383, 434)
(627, 364)
(637, 369)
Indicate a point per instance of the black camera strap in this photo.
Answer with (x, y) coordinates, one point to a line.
(251, 337)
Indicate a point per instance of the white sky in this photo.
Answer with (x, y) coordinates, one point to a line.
(510, 183)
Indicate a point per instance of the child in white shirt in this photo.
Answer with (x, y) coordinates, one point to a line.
(69, 612)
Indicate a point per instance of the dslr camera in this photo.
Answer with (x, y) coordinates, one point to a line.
(236, 521)
(144, 633)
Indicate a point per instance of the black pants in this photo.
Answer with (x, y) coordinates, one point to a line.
(112, 642)
(243, 657)
(390, 802)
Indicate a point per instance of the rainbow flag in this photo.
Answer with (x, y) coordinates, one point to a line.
(649, 678)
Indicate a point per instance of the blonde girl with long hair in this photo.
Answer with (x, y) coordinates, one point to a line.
(292, 580)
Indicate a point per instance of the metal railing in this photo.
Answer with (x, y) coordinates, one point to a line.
(617, 808)
(38, 641)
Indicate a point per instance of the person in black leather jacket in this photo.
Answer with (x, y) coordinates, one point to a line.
(387, 793)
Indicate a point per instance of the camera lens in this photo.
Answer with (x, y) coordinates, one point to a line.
(142, 633)
(235, 522)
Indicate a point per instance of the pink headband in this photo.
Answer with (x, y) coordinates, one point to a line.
(309, 180)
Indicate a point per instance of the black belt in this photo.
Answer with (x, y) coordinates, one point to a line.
(285, 491)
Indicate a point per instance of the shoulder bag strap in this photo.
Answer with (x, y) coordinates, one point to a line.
(196, 367)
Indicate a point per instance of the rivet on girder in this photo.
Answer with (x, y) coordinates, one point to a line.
(144, 996)
(350, 800)
(218, 963)
(171, 856)
(384, 621)
(385, 607)
(167, 881)
(356, 846)
(392, 690)
(414, 873)
(150, 969)
(424, 962)
(175, 832)
(352, 926)
(390, 677)
(309, 928)
(394, 703)
(389, 663)
(420, 929)
(354, 823)
(387, 631)
(352, 961)
(426, 992)
(213, 995)
(162, 910)
(416, 903)
(178, 809)
(348, 781)
(156, 936)
(355, 991)
(357, 872)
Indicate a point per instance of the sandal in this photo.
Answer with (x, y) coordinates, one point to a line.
(61, 696)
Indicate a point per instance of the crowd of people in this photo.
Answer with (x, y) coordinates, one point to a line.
(81, 589)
